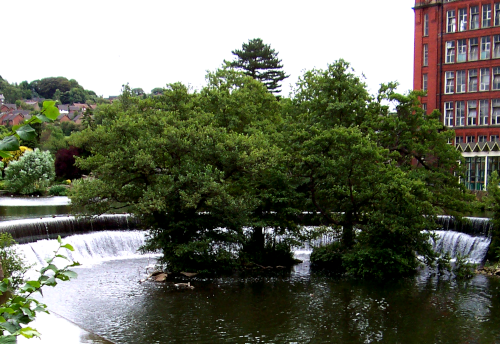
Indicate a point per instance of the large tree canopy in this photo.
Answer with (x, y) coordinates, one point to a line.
(212, 173)
(261, 62)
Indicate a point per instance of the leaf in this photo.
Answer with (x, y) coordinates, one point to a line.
(49, 103)
(8, 340)
(69, 274)
(26, 132)
(43, 118)
(59, 240)
(9, 143)
(50, 112)
(68, 246)
(29, 332)
(35, 284)
(5, 154)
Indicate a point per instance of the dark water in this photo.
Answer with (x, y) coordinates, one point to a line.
(288, 307)
(14, 208)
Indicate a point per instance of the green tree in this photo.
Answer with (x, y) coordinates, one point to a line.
(261, 62)
(355, 158)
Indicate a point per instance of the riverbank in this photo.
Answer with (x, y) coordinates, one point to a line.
(58, 330)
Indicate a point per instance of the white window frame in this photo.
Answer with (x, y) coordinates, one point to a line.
(484, 109)
(495, 80)
(425, 80)
(484, 84)
(449, 84)
(426, 25)
(494, 138)
(474, 18)
(450, 52)
(462, 19)
(459, 139)
(461, 81)
(473, 80)
(486, 16)
(471, 112)
(497, 13)
(448, 114)
(425, 61)
(482, 138)
(461, 50)
(460, 113)
(495, 111)
(473, 49)
(485, 47)
(451, 22)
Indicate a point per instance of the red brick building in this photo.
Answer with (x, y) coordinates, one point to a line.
(457, 61)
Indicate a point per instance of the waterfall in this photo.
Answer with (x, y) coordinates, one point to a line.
(456, 243)
(30, 230)
(470, 225)
(89, 248)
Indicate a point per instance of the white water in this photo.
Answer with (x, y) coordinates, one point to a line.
(475, 248)
(33, 201)
(89, 249)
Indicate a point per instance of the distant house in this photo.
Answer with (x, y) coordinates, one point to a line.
(15, 117)
(63, 118)
(63, 109)
(32, 103)
(8, 107)
(2, 99)
(78, 119)
(73, 109)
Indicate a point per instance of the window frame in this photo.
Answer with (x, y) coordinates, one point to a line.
(472, 80)
(460, 113)
(484, 79)
(474, 18)
(448, 114)
(461, 81)
(486, 21)
(485, 48)
(449, 84)
(484, 106)
(473, 45)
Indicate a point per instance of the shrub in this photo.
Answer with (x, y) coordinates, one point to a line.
(32, 173)
(12, 263)
(16, 155)
(328, 257)
(65, 163)
(58, 190)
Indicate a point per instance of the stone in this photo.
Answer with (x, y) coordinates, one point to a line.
(189, 274)
(162, 277)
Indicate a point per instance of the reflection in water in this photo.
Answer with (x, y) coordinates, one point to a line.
(279, 307)
(13, 208)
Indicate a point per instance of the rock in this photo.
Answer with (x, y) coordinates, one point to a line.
(497, 272)
(162, 277)
(155, 273)
(189, 274)
(184, 285)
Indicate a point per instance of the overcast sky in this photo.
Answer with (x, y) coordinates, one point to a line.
(104, 44)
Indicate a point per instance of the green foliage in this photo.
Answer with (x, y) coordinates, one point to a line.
(32, 173)
(21, 308)
(12, 262)
(58, 190)
(492, 201)
(462, 268)
(329, 257)
(261, 62)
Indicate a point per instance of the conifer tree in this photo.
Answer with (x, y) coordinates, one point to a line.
(261, 62)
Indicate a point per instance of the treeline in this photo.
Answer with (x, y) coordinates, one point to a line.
(225, 176)
(56, 88)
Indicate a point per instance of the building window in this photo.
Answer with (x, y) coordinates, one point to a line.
(485, 47)
(473, 80)
(450, 82)
(470, 139)
(426, 24)
(494, 138)
(485, 79)
(473, 49)
(471, 112)
(450, 52)
(448, 114)
(474, 175)
(450, 21)
(424, 107)
(461, 50)
(486, 15)
(482, 138)
(460, 114)
(497, 14)
(426, 55)
(462, 19)
(495, 111)
(474, 17)
(496, 46)
(424, 82)
(460, 81)
(496, 78)
(459, 139)
(483, 112)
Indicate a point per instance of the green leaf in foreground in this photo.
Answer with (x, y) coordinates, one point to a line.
(26, 132)
(9, 143)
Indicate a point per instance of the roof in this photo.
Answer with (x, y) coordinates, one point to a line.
(490, 146)
(63, 107)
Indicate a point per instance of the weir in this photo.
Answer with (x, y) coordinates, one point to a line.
(473, 243)
(31, 230)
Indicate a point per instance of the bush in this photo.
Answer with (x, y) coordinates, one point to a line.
(328, 257)
(32, 173)
(12, 263)
(16, 155)
(58, 190)
(65, 163)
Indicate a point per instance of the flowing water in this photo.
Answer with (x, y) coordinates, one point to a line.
(279, 307)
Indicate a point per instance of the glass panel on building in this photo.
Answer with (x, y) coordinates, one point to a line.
(473, 49)
(485, 79)
(461, 50)
(460, 81)
(486, 15)
(495, 111)
(462, 19)
(474, 18)
(484, 110)
(460, 114)
(448, 114)
(471, 112)
(485, 47)
(473, 80)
